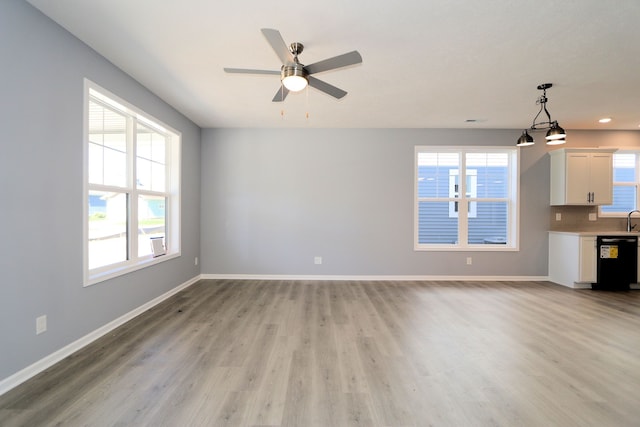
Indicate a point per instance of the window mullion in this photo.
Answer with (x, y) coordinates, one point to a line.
(463, 205)
(133, 199)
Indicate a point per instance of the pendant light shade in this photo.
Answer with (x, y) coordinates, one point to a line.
(525, 139)
(555, 134)
(556, 142)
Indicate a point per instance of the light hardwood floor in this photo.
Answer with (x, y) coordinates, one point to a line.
(291, 353)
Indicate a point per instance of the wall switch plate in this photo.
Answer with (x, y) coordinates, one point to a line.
(469, 260)
(558, 216)
(41, 324)
(593, 217)
(196, 261)
(317, 260)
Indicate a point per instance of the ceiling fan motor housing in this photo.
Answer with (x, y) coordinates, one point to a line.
(293, 70)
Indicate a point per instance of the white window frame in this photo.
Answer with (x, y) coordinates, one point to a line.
(172, 191)
(635, 184)
(513, 201)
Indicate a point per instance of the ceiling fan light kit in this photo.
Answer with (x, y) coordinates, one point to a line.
(555, 134)
(295, 76)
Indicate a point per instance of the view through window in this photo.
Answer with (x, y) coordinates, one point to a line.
(626, 178)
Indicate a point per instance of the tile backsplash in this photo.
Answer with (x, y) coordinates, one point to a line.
(576, 218)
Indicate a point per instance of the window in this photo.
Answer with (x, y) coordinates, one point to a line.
(626, 178)
(132, 181)
(466, 198)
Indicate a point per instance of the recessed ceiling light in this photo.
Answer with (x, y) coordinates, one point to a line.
(605, 120)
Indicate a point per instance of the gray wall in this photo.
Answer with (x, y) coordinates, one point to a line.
(274, 199)
(41, 110)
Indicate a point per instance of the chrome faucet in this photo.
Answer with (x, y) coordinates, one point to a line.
(629, 227)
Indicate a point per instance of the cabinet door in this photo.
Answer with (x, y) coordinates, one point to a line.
(588, 260)
(601, 179)
(577, 179)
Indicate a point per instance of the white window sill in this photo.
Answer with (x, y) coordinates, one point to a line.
(470, 248)
(125, 268)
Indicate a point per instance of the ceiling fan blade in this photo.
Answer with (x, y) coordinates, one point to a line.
(281, 94)
(279, 46)
(326, 87)
(339, 61)
(247, 71)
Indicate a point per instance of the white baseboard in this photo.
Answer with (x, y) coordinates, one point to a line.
(48, 361)
(376, 278)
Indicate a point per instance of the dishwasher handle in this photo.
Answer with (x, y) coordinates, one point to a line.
(619, 240)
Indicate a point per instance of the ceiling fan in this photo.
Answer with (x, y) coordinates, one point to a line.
(295, 76)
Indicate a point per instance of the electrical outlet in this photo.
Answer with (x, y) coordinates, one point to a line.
(41, 324)
(593, 217)
(196, 261)
(469, 260)
(317, 260)
(558, 216)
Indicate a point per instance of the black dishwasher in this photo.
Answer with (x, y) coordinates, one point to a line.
(617, 262)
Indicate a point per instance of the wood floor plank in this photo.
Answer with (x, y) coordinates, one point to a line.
(268, 404)
(353, 353)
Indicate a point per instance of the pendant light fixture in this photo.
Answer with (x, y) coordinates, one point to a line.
(555, 134)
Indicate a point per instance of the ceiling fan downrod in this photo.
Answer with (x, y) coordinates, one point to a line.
(296, 49)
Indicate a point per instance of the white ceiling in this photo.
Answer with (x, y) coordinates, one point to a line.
(426, 63)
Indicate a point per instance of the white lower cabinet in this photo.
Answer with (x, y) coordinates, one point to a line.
(573, 259)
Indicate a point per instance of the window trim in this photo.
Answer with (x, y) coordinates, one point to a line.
(174, 189)
(513, 228)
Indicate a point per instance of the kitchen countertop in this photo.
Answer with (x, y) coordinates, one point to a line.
(597, 233)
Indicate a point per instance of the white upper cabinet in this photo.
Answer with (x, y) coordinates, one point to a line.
(582, 176)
